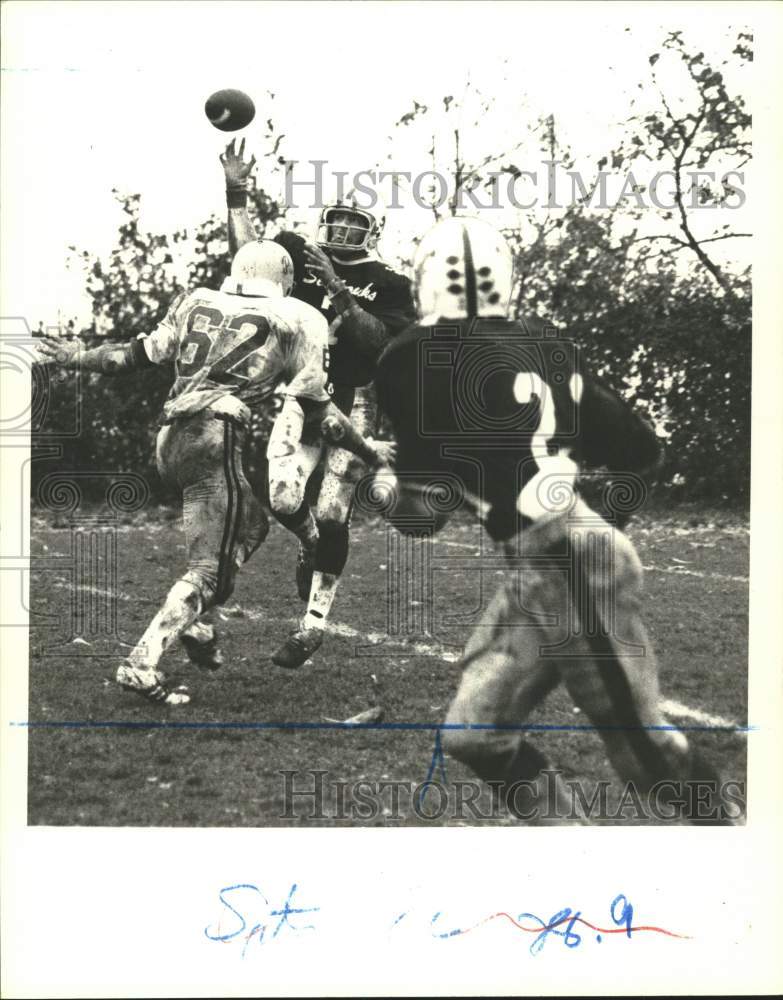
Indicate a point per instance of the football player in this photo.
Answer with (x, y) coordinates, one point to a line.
(230, 348)
(506, 411)
(365, 303)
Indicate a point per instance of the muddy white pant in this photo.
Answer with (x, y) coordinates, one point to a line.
(570, 615)
(201, 455)
(294, 451)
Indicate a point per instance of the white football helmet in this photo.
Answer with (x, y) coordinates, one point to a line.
(342, 225)
(261, 268)
(462, 268)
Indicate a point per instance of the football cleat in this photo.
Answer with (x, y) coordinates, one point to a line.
(298, 648)
(203, 654)
(305, 566)
(151, 684)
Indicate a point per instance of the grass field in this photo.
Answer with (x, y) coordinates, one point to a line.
(128, 773)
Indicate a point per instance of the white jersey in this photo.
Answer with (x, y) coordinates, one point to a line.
(242, 346)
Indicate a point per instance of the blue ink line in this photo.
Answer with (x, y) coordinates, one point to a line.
(438, 763)
(438, 760)
(389, 726)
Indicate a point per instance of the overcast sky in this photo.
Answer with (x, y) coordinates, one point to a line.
(97, 96)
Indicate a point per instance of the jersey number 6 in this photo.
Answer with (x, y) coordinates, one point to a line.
(204, 327)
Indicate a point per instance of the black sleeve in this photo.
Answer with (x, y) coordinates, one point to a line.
(613, 435)
(139, 356)
(395, 309)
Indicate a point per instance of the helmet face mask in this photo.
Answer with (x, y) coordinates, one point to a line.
(345, 228)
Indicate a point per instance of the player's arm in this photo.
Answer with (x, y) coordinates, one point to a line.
(108, 359)
(368, 333)
(237, 171)
(308, 401)
(299, 411)
(117, 359)
(338, 431)
(614, 435)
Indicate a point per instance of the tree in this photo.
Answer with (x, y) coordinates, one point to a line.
(701, 136)
(671, 333)
(641, 291)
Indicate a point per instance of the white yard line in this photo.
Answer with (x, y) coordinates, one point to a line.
(680, 711)
(701, 574)
(118, 595)
(408, 648)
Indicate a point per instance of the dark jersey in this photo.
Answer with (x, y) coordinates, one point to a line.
(509, 409)
(376, 287)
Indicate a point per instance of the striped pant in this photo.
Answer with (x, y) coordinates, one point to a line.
(224, 523)
(570, 616)
(201, 457)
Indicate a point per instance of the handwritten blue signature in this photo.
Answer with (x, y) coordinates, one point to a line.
(269, 922)
(563, 924)
(259, 931)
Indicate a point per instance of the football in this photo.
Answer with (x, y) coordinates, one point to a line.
(230, 110)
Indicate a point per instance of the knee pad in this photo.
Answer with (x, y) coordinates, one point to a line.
(335, 501)
(331, 554)
(286, 492)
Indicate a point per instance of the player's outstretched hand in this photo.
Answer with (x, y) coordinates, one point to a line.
(235, 167)
(386, 453)
(55, 350)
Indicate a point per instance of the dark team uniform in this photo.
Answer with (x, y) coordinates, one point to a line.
(387, 296)
(510, 412)
(377, 288)
(505, 405)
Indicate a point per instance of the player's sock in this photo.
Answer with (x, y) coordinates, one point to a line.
(180, 609)
(330, 559)
(321, 599)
